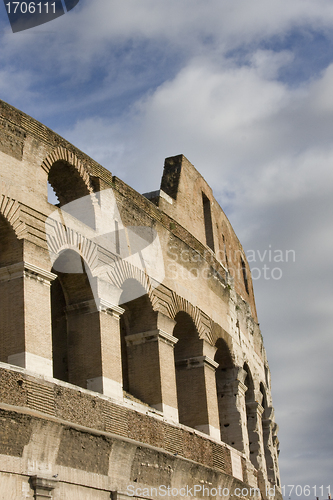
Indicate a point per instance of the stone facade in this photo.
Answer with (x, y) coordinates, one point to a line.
(118, 398)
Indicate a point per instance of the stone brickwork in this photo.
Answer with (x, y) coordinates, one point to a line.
(168, 388)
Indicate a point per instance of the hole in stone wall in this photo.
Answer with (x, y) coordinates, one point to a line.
(51, 196)
(225, 250)
(208, 222)
(245, 276)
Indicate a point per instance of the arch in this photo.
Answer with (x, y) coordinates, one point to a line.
(11, 247)
(71, 185)
(129, 278)
(202, 322)
(223, 355)
(218, 333)
(64, 159)
(10, 209)
(11, 291)
(61, 240)
(139, 313)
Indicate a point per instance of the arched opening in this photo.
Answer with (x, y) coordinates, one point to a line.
(66, 182)
(75, 321)
(11, 294)
(67, 189)
(224, 387)
(190, 375)
(11, 248)
(140, 364)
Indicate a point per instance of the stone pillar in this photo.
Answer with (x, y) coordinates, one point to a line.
(254, 424)
(276, 443)
(232, 411)
(26, 338)
(151, 370)
(196, 387)
(94, 353)
(267, 426)
(43, 487)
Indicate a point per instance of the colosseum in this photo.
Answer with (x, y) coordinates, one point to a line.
(131, 360)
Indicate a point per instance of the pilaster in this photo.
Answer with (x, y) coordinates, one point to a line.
(26, 317)
(254, 423)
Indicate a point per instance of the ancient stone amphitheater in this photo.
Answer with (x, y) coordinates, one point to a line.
(131, 360)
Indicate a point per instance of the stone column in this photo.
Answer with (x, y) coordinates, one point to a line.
(268, 425)
(254, 425)
(151, 370)
(232, 411)
(276, 443)
(26, 317)
(196, 386)
(94, 353)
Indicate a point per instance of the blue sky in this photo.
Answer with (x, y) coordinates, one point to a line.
(243, 88)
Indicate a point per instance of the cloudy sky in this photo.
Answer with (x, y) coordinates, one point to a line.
(242, 89)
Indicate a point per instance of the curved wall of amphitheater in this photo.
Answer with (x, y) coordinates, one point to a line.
(114, 382)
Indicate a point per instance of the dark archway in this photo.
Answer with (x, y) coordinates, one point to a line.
(11, 293)
(75, 327)
(190, 376)
(138, 354)
(224, 387)
(70, 190)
